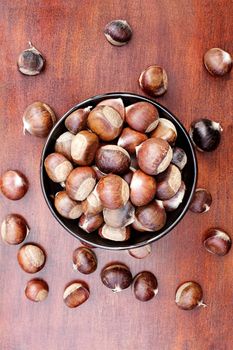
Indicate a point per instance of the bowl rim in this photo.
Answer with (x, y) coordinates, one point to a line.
(119, 95)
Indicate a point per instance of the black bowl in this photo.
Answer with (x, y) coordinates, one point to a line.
(189, 176)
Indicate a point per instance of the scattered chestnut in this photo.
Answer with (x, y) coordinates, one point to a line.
(179, 158)
(218, 62)
(31, 61)
(205, 134)
(151, 217)
(118, 234)
(153, 80)
(13, 184)
(38, 119)
(118, 32)
(142, 116)
(116, 103)
(90, 223)
(112, 159)
(165, 130)
(36, 290)
(80, 183)
(217, 242)
(130, 139)
(189, 296)
(14, 229)
(83, 147)
(174, 202)
(145, 286)
(141, 252)
(84, 260)
(77, 120)
(67, 207)
(63, 144)
(113, 191)
(57, 167)
(142, 188)
(120, 217)
(75, 294)
(168, 182)
(116, 277)
(106, 122)
(201, 201)
(154, 156)
(92, 204)
(31, 258)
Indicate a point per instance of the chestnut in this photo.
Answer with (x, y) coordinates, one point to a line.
(113, 191)
(168, 182)
(142, 188)
(83, 147)
(217, 61)
(14, 229)
(118, 32)
(154, 156)
(38, 119)
(179, 158)
(140, 252)
(80, 183)
(63, 144)
(120, 217)
(75, 294)
(31, 258)
(67, 207)
(173, 203)
(205, 134)
(145, 286)
(105, 122)
(92, 204)
(90, 223)
(150, 217)
(116, 103)
(130, 139)
(98, 172)
(165, 130)
(36, 290)
(84, 260)
(217, 242)
(153, 80)
(201, 201)
(118, 234)
(189, 296)
(77, 120)
(128, 176)
(30, 61)
(57, 167)
(142, 116)
(112, 159)
(117, 277)
(13, 184)
(134, 163)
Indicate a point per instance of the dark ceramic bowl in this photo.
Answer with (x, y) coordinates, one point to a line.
(189, 175)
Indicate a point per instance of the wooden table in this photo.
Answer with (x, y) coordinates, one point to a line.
(80, 64)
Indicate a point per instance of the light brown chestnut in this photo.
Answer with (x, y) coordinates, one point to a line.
(140, 252)
(116, 103)
(36, 290)
(179, 158)
(30, 61)
(201, 201)
(38, 119)
(75, 294)
(106, 122)
(77, 120)
(84, 260)
(142, 188)
(118, 32)
(168, 182)
(153, 80)
(57, 167)
(83, 147)
(113, 191)
(130, 139)
(217, 242)
(154, 156)
(112, 159)
(189, 296)
(174, 202)
(116, 276)
(118, 234)
(151, 217)
(165, 130)
(218, 62)
(90, 223)
(80, 183)
(63, 144)
(142, 116)
(13, 184)
(31, 258)
(145, 286)
(66, 206)
(14, 229)
(120, 217)
(92, 204)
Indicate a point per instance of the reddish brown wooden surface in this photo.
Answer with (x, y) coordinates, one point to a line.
(80, 64)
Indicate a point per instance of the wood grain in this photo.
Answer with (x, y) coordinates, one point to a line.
(80, 64)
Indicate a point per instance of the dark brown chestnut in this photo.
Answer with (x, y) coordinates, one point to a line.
(173, 203)
(84, 260)
(116, 103)
(83, 147)
(63, 144)
(179, 158)
(57, 167)
(30, 61)
(168, 182)
(14, 229)
(31, 258)
(145, 286)
(153, 80)
(80, 183)
(75, 294)
(218, 62)
(112, 159)
(77, 120)
(66, 206)
(118, 234)
(117, 277)
(201, 201)
(130, 139)
(165, 130)
(120, 217)
(118, 32)
(151, 217)
(205, 134)
(13, 184)
(90, 223)
(142, 188)
(128, 176)
(217, 241)
(36, 290)
(189, 296)
(142, 116)
(140, 252)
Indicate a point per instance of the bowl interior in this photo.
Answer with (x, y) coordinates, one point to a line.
(189, 175)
